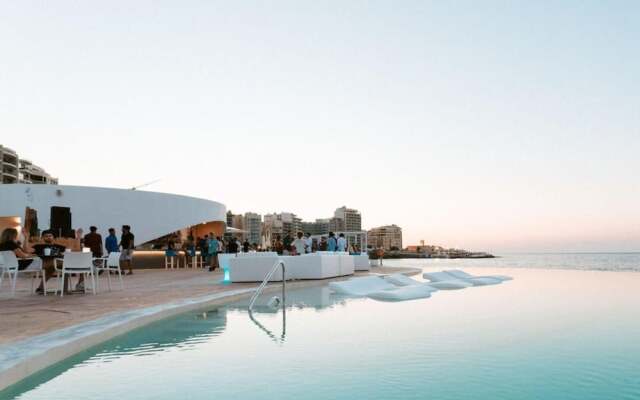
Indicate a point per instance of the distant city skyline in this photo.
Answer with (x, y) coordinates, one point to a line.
(492, 126)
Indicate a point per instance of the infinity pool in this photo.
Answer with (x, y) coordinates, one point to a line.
(544, 335)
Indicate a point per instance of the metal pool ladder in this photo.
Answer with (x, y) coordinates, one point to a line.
(258, 292)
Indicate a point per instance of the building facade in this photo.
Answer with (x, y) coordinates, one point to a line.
(16, 170)
(31, 173)
(351, 219)
(9, 165)
(319, 227)
(388, 237)
(253, 226)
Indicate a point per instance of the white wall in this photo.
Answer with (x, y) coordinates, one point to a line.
(150, 214)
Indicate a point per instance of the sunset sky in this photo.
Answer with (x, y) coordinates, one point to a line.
(499, 126)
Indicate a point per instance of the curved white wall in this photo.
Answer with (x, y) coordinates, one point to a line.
(150, 214)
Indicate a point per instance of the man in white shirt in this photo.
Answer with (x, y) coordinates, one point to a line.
(342, 243)
(300, 244)
(309, 242)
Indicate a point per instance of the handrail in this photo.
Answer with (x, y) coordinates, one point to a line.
(279, 263)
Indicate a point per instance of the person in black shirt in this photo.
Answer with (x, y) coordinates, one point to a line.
(48, 251)
(126, 242)
(9, 242)
(233, 246)
(245, 246)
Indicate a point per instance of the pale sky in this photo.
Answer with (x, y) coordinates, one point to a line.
(495, 125)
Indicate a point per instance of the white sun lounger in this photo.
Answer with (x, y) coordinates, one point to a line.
(412, 292)
(403, 280)
(445, 277)
(463, 275)
(361, 286)
(445, 281)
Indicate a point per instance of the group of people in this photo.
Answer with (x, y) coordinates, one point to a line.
(93, 241)
(46, 250)
(303, 243)
(209, 246)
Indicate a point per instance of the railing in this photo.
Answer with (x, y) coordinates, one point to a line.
(258, 292)
(279, 263)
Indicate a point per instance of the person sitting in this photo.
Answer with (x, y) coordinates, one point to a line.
(48, 250)
(9, 242)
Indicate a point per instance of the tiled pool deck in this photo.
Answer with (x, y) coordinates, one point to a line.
(37, 331)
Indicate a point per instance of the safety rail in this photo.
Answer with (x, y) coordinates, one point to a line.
(258, 292)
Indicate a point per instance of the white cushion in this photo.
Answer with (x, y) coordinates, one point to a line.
(464, 275)
(450, 285)
(361, 286)
(402, 293)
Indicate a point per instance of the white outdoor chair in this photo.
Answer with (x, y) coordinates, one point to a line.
(109, 264)
(9, 265)
(76, 263)
(171, 260)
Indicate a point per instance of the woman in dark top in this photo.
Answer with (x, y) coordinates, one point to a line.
(9, 242)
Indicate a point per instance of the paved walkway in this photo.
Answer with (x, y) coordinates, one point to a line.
(27, 314)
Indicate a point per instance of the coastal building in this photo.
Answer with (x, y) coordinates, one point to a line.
(9, 165)
(319, 227)
(67, 209)
(388, 237)
(253, 227)
(347, 219)
(13, 169)
(283, 223)
(31, 173)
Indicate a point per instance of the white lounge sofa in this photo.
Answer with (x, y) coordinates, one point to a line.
(313, 266)
(248, 268)
(456, 273)
(361, 262)
(361, 286)
(445, 279)
(403, 293)
(254, 269)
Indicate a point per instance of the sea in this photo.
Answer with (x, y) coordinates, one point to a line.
(575, 261)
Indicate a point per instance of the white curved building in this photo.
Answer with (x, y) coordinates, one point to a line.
(150, 214)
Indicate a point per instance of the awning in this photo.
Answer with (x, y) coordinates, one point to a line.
(231, 229)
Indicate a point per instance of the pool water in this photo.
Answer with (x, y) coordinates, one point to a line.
(544, 335)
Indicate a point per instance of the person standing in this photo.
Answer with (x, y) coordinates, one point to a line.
(213, 248)
(309, 242)
(332, 244)
(342, 243)
(278, 246)
(286, 243)
(127, 244)
(93, 240)
(300, 245)
(233, 247)
(111, 242)
(203, 245)
(246, 246)
(323, 244)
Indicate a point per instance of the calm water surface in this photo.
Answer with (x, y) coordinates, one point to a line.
(579, 261)
(553, 334)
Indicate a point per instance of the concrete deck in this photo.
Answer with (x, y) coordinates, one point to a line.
(38, 331)
(27, 314)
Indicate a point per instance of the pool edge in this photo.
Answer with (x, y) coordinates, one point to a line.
(26, 357)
